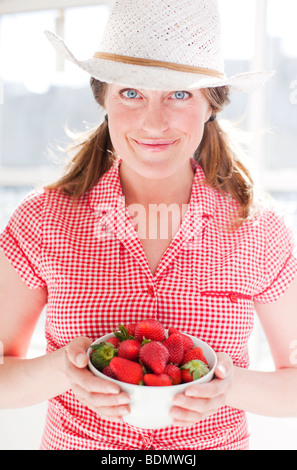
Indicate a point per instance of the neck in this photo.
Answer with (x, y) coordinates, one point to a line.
(174, 189)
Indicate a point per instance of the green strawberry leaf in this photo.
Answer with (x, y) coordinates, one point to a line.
(196, 375)
(123, 334)
(102, 354)
(197, 368)
(145, 341)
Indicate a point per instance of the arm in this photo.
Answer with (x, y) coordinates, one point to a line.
(20, 308)
(273, 393)
(25, 382)
(265, 393)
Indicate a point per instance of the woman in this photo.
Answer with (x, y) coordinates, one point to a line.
(78, 247)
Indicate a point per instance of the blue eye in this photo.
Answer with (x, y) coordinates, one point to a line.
(131, 94)
(180, 95)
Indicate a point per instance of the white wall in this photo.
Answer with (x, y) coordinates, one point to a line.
(22, 429)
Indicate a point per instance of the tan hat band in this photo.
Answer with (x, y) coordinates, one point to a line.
(158, 63)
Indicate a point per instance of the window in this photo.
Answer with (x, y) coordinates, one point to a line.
(41, 93)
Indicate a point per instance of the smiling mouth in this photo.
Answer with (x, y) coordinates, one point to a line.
(155, 145)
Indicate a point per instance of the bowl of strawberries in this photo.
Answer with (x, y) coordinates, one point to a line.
(152, 364)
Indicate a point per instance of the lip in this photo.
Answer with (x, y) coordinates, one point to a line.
(155, 145)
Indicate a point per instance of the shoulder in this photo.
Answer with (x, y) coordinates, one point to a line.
(269, 215)
(34, 198)
(42, 204)
(30, 208)
(267, 228)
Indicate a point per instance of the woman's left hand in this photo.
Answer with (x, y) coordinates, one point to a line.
(202, 400)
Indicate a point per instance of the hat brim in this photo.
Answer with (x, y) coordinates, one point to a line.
(157, 78)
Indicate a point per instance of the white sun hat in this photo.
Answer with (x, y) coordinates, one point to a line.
(162, 45)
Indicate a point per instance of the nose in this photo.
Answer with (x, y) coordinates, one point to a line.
(155, 118)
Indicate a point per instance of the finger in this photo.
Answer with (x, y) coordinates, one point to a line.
(104, 405)
(208, 390)
(198, 405)
(220, 384)
(221, 371)
(101, 399)
(183, 417)
(224, 366)
(114, 413)
(86, 380)
(76, 351)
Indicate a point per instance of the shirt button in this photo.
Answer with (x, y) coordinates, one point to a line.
(151, 291)
(233, 298)
(146, 441)
(102, 214)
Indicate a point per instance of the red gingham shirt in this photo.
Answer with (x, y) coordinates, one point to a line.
(91, 260)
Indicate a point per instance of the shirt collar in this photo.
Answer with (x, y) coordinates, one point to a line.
(203, 197)
(107, 193)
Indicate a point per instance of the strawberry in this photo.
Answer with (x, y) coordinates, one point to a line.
(123, 333)
(127, 371)
(186, 376)
(139, 353)
(172, 330)
(131, 329)
(154, 380)
(174, 373)
(149, 329)
(107, 371)
(129, 349)
(113, 340)
(193, 370)
(174, 344)
(154, 355)
(187, 341)
(102, 354)
(195, 353)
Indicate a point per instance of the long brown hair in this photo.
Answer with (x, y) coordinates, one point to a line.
(219, 160)
(94, 155)
(220, 163)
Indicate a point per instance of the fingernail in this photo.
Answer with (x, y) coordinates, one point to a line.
(112, 390)
(179, 400)
(176, 412)
(222, 369)
(80, 360)
(123, 400)
(123, 410)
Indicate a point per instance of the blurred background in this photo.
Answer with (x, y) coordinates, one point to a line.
(41, 96)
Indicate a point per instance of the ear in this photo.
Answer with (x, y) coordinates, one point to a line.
(208, 115)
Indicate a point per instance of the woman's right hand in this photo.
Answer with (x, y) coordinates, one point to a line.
(102, 396)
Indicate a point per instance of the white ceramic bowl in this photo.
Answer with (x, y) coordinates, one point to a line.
(150, 405)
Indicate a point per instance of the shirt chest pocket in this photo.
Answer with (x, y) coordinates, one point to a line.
(222, 318)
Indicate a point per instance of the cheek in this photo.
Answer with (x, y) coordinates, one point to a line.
(122, 121)
(119, 123)
(192, 125)
(117, 134)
